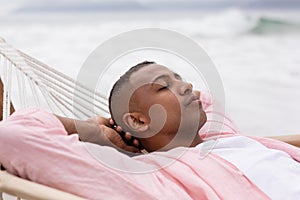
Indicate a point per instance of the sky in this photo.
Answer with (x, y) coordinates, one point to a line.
(87, 5)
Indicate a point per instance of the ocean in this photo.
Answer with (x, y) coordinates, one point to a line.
(256, 53)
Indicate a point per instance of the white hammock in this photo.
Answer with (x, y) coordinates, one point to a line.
(47, 87)
(40, 85)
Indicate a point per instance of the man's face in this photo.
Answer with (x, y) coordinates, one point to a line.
(182, 109)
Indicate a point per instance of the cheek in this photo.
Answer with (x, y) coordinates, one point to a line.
(169, 112)
(173, 110)
(166, 100)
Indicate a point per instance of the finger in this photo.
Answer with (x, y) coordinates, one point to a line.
(111, 121)
(136, 143)
(119, 129)
(128, 136)
(131, 140)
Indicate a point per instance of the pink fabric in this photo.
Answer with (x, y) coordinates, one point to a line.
(34, 145)
(217, 123)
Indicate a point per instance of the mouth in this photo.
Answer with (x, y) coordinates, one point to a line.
(192, 99)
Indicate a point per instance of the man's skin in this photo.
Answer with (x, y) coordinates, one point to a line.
(99, 130)
(290, 139)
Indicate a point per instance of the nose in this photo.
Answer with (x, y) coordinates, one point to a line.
(185, 88)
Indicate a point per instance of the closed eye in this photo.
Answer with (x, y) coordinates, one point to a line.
(163, 88)
(177, 76)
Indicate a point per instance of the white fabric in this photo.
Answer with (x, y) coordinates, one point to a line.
(273, 171)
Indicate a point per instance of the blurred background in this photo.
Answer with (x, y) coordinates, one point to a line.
(253, 43)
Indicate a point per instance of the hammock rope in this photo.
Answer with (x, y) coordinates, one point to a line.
(62, 78)
(46, 83)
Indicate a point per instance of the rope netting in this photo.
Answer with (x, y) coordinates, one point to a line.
(37, 84)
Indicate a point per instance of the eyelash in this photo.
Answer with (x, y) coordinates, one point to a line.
(163, 88)
(178, 77)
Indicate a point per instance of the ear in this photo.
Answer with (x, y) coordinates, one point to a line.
(135, 121)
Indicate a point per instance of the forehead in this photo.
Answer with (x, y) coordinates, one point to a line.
(148, 73)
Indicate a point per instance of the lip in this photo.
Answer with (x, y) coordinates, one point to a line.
(191, 99)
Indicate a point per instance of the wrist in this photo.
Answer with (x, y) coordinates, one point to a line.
(68, 123)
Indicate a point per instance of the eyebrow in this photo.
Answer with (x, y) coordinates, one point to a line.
(160, 77)
(165, 76)
(177, 75)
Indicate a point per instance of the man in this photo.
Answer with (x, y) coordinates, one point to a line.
(65, 163)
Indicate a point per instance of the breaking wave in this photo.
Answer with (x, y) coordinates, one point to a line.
(235, 22)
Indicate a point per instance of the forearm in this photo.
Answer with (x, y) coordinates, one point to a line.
(290, 139)
(69, 124)
(87, 130)
(96, 130)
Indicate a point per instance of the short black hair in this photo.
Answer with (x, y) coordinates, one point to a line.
(115, 92)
